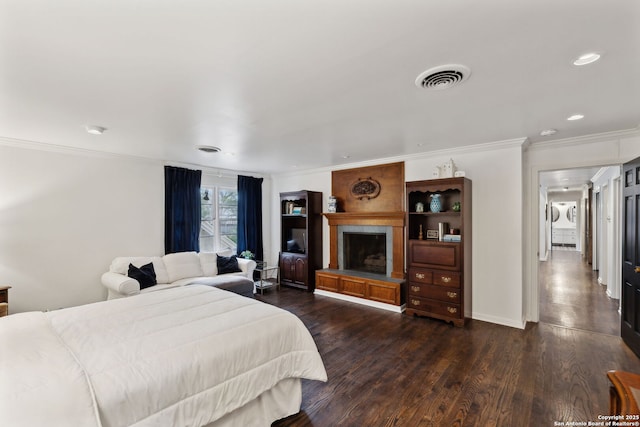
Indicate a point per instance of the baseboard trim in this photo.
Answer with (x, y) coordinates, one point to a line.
(361, 301)
(500, 321)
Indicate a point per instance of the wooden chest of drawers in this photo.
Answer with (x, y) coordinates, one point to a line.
(436, 293)
(439, 271)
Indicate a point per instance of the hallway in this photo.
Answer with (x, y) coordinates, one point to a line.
(571, 297)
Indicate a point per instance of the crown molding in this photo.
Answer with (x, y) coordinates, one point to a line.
(475, 148)
(578, 140)
(599, 174)
(219, 172)
(53, 148)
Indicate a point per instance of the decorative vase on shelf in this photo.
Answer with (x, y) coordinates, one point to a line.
(333, 203)
(436, 205)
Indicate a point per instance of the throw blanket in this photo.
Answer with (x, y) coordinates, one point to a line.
(182, 356)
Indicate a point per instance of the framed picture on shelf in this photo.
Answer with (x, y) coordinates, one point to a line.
(432, 234)
(297, 210)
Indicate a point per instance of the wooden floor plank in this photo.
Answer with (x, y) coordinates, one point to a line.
(387, 369)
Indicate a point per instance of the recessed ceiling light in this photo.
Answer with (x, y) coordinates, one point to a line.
(587, 58)
(575, 117)
(208, 148)
(95, 130)
(548, 132)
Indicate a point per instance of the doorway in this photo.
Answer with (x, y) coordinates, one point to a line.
(573, 291)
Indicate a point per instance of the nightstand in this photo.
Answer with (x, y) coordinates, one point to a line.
(269, 276)
(4, 300)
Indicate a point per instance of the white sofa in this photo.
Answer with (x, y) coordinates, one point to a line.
(178, 269)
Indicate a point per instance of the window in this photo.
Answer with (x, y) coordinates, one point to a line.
(219, 222)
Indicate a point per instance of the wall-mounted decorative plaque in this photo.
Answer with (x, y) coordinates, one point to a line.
(377, 188)
(367, 188)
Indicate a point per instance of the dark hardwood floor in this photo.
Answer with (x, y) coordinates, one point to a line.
(387, 369)
(571, 296)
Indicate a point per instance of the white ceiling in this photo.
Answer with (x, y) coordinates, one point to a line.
(284, 84)
(571, 179)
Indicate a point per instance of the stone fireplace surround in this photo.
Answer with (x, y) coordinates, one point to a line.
(365, 248)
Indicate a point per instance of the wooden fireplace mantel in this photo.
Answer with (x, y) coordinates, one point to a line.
(394, 219)
(387, 219)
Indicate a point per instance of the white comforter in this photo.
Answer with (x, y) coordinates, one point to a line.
(183, 356)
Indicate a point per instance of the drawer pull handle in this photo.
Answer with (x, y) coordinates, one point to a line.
(415, 302)
(415, 288)
(419, 275)
(452, 310)
(446, 279)
(452, 294)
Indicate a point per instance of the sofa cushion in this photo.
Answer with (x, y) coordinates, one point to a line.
(145, 275)
(209, 261)
(120, 265)
(182, 264)
(227, 264)
(237, 284)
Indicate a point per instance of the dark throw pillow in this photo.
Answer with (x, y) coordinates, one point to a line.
(145, 275)
(227, 264)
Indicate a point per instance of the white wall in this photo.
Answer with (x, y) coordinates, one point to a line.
(544, 221)
(496, 174)
(608, 222)
(65, 215)
(595, 150)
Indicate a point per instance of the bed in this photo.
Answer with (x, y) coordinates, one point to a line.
(188, 356)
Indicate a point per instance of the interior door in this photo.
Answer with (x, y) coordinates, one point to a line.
(630, 326)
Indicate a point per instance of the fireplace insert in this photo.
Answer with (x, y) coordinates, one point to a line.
(365, 252)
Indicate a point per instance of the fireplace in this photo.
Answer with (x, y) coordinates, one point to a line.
(365, 252)
(365, 248)
(366, 237)
(391, 224)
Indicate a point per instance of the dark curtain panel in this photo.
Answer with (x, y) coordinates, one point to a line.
(181, 209)
(250, 215)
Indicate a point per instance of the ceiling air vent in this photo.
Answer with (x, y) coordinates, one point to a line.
(208, 148)
(443, 77)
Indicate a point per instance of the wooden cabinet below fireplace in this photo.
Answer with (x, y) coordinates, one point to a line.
(362, 285)
(439, 272)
